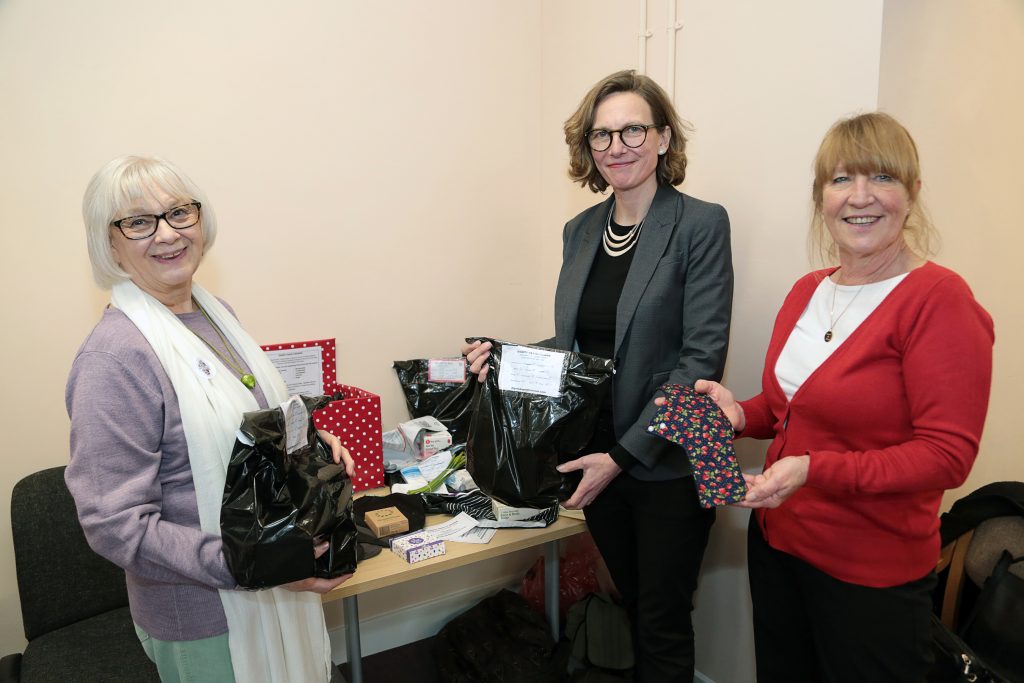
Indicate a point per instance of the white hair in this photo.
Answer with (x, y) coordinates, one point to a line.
(115, 187)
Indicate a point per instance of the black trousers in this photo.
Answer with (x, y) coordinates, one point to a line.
(809, 626)
(652, 536)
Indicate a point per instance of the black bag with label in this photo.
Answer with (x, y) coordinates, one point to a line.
(518, 436)
(447, 402)
(278, 505)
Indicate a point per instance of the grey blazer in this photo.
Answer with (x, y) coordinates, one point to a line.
(672, 321)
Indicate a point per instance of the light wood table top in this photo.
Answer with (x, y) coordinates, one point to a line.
(388, 569)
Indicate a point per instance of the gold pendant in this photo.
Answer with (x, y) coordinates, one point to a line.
(250, 381)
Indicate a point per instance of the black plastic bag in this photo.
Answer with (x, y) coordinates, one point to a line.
(516, 438)
(448, 402)
(500, 640)
(277, 505)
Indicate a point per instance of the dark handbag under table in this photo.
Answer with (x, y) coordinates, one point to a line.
(995, 627)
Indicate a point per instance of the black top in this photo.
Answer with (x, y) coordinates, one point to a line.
(595, 334)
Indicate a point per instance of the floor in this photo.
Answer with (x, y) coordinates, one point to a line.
(412, 663)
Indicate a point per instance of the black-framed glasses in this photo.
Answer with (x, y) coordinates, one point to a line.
(141, 227)
(633, 136)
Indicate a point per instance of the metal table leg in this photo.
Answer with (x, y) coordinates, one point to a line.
(551, 592)
(355, 655)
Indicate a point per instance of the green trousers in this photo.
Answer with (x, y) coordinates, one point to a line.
(207, 660)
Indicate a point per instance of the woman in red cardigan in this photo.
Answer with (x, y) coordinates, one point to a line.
(874, 393)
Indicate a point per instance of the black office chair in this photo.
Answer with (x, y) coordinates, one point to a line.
(73, 602)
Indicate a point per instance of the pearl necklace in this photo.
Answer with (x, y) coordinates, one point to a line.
(615, 245)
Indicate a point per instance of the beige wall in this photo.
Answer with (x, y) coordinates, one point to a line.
(374, 168)
(953, 72)
(367, 157)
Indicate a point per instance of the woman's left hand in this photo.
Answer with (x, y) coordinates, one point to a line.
(338, 452)
(598, 471)
(777, 483)
(315, 584)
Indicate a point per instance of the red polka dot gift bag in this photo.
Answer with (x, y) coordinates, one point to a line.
(310, 368)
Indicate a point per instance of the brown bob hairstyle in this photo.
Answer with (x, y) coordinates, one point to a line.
(871, 143)
(671, 165)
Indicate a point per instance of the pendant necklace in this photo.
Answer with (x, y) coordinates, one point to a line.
(832, 317)
(234, 362)
(615, 245)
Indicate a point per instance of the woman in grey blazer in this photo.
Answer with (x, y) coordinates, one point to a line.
(647, 281)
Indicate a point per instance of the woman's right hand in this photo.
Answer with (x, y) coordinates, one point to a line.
(476, 355)
(316, 584)
(725, 400)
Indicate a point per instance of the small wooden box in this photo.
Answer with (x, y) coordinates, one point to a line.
(386, 522)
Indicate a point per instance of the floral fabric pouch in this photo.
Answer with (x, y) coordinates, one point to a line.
(695, 422)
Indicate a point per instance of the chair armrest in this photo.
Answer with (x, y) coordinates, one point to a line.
(945, 557)
(10, 668)
(955, 581)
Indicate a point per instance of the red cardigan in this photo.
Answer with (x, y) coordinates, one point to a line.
(891, 419)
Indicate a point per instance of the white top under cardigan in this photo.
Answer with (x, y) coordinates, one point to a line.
(806, 347)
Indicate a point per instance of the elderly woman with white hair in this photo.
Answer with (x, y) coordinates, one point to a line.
(155, 396)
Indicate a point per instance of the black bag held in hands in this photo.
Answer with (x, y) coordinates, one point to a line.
(447, 402)
(277, 505)
(517, 438)
(995, 628)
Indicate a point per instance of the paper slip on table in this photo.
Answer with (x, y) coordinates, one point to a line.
(388, 569)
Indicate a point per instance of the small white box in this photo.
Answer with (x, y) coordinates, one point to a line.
(417, 546)
(431, 443)
(424, 436)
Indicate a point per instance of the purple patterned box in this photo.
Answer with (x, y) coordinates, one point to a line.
(417, 546)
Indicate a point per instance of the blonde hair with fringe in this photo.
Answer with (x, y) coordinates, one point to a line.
(870, 143)
(114, 188)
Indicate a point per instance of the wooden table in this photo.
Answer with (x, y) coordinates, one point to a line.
(388, 569)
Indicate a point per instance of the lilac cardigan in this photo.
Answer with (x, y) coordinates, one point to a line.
(132, 483)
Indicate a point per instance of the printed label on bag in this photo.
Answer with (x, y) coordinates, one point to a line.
(446, 370)
(296, 423)
(531, 370)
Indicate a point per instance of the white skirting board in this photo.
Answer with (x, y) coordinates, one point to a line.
(423, 620)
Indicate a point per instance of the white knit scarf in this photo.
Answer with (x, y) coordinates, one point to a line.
(275, 635)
